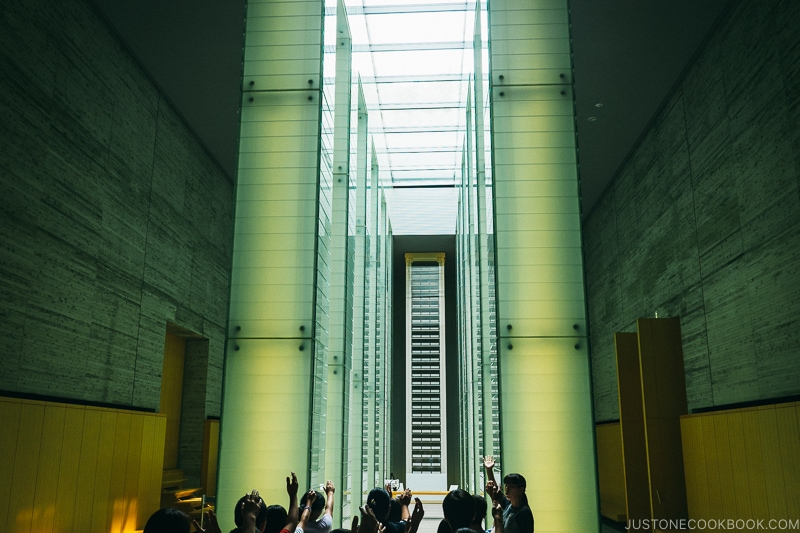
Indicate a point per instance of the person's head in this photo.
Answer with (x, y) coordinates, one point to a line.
(480, 512)
(316, 506)
(515, 489)
(168, 521)
(459, 509)
(276, 519)
(261, 519)
(380, 502)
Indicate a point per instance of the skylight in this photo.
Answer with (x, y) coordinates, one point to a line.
(415, 61)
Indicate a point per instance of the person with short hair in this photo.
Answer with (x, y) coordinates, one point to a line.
(517, 515)
(459, 509)
(480, 514)
(380, 502)
(239, 519)
(321, 517)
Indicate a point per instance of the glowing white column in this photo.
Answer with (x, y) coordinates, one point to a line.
(268, 360)
(337, 355)
(547, 428)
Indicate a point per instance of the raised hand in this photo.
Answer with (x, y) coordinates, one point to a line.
(329, 487)
(369, 523)
(416, 517)
(497, 516)
(310, 497)
(251, 505)
(492, 489)
(488, 462)
(405, 497)
(291, 485)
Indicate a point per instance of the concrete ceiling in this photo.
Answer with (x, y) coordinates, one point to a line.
(628, 54)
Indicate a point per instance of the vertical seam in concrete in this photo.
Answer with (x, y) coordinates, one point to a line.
(144, 255)
(697, 241)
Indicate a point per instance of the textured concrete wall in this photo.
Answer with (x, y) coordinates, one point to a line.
(115, 220)
(703, 221)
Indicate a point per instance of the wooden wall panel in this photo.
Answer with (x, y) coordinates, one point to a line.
(746, 460)
(10, 414)
(743, 509)
(90, 444)
(725, 471)
(210, 457)
(664, 394)
(156, 463)
(789, 439)
(712, 465)
(67, 489)
(26, 466)
(634, 447)
(610, 472)
(171, 395)
(695, 467)
(133, 470)
(78, 468)
(52, 441)
(773, 467)
(102, 476)
(755, 464)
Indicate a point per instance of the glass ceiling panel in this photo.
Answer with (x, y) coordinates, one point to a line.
(412, 179)
(423, 140)
(418, 63)
(411, 27)
(421, 117)
(450, 92)
(423, 160)
(414, 58)
(428, 211)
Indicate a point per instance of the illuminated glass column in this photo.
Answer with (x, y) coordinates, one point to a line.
(355, 431)
(384, 337)
(371, 408)
(547, 429)
(476, 279)
(273, 291)
(486, 333)
(337, 372)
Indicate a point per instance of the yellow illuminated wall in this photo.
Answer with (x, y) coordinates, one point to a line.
(78, 468)
(743, 464)
(547, 429)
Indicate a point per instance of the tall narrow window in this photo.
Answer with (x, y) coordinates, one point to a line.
(426, 437)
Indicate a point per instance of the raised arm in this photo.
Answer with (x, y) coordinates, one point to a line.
(488, 464)
(368, 524)
(293, 517)
(403, 500)
(305, 512)
(329, 490)
(250, 508)
(497, 516)
(416, 517)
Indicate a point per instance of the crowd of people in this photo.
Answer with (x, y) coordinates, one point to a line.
(463, 512)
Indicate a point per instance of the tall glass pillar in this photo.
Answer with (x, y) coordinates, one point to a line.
(545, 397)
(268, 366)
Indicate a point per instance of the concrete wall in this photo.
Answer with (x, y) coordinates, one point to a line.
(703, 220)
(115, 220)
